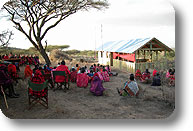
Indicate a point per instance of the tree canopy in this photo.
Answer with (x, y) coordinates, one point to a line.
(34, 18)
(53, 47)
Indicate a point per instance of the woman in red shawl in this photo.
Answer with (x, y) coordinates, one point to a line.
(146, 75)
(82, 79)
(6, 57)
(154, 72)
(28, 71)
(99, 74)
(172, 78)
(38, 78)
(62, 67)
(13, 71)
(138, 74)
(7, 82)
(105, 75)
(73, 75)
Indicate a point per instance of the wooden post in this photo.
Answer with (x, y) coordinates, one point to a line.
(156, 55)
(5, 99)
(151, 51)
(144, 54)
(111, 58)
(138, 54)
(135, 62)
(165, 54)
(165, 63)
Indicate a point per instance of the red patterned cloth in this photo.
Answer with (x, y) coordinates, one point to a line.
(60, 79)
(73, 76)
(6, 57)
(108, 69)
(95, 74)
(172, 77)
(100, 75)
(154, 72)
(28, 71)
(4, 76)
(132, 88)
(145, 76)
(12, 71)
(94, 69)
(82, 80)
(46, 71)
(105, 76)
(38, 78)
(138, 73)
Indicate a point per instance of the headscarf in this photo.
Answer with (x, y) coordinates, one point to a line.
(154, 72)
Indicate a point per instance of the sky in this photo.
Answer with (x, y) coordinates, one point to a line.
(123, 20)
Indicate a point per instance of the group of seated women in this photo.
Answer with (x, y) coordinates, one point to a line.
(78, 73)
(142, 76)
(81, 75)
(170, 75)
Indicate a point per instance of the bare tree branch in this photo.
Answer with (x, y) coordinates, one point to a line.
(5, 37)
(37, 14)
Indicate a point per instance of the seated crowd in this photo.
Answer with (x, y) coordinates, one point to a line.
(156, 79)
(24, 59)
(95, 75)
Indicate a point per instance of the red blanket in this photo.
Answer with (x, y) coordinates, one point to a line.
(73, 76)
(28, 71)
(38, 78)
(62, 78)
(12, 71)
(82, 80)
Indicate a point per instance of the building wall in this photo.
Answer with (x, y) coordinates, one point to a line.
(103, 57)
(124, 65)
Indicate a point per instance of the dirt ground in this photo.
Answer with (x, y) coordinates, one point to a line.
(79, 103)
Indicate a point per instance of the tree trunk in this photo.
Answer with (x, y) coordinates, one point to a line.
(45, 56)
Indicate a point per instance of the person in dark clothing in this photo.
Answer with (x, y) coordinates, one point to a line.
(6, 82)
(156, 80)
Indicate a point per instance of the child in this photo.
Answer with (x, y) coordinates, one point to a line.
(73, 75)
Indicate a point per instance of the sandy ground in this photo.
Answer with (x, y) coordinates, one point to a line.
(79, 103)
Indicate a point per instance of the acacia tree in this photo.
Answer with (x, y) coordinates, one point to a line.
(34, 18)
(5, 37)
